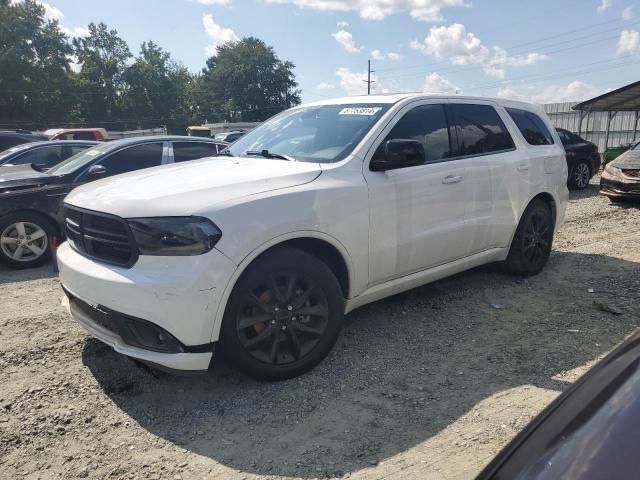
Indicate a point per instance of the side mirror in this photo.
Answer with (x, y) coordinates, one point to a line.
(96, 171)
(399, 153)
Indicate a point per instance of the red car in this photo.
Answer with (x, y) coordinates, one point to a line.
(98, 134)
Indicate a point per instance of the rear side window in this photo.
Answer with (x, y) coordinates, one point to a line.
(133, 158)
(45, 157)
(533, 129)
(428, 125)
(480, 130)
(185, 151)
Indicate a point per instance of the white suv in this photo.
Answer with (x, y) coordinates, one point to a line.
(323, 208)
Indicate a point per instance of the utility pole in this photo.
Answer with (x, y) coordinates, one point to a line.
(368, 81)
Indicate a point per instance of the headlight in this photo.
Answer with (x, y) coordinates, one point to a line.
(179, 236)
(611, 170)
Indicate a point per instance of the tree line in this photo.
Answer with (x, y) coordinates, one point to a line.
(110, 87)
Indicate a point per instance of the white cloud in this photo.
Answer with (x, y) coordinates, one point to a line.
(627, 13)
(434, 83)
(345, 39)
(355, 83)
(604, 6)
(76, 32)
(217, 34)
(573, 92)
(343, 25)
(424, 10)
(378, 55)
(325, 86)
(629, 42)
(459, 47)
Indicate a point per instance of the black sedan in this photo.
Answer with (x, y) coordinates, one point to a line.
(590, 432)
(621, 177)
(11, 138)
(43, 155)
(583, 159)
(31, 200)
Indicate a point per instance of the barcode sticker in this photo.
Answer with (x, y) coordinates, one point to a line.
(359, 111)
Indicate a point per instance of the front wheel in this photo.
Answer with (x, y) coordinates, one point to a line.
(531, 245)
(580, 175)
(24, 240)
(283, 316)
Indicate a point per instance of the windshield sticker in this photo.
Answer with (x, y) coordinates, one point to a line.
(93, 153)
(359, 111)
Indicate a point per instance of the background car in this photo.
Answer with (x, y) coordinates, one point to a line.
(43, 155)
(31, 200)
(230, 136)
(583, 159)
(198, 131)
(97, 134)
(621, 177)
(589, 432)
(11, 138)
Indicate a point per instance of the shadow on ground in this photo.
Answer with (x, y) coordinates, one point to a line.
(10, 275)
(403, 370)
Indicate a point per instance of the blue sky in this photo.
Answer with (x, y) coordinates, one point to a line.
(562, 50)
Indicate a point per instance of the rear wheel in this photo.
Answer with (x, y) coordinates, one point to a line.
(24, 240)
(531, 245)
(283, 316)
(580, 175)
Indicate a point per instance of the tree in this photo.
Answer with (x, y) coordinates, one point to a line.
(35, 88)
(103, 56)
(245, 81)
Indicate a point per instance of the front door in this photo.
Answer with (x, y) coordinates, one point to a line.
(417, 213)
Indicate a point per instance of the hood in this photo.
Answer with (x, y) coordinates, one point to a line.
(190, 187)
(20, 177)
(629, 159)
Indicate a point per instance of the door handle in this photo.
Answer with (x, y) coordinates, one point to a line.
(452, 179)
(523, 167)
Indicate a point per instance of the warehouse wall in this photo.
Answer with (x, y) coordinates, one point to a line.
(594, 126)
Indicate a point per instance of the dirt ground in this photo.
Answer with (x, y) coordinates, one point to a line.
(428, 385)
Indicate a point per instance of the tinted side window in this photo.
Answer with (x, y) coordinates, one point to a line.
(480, 130)
(46, 156)
(426, 124)
(184, 151)
(84, 136)
(133, 158)
(533, 129)
(564, 138)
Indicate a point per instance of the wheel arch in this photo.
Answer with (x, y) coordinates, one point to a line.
(549, 200)
(322, 246)
(39, 213)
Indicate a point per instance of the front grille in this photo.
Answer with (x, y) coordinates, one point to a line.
(100, 236)
(631, 173)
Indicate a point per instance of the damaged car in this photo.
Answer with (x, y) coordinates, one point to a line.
(620, 179)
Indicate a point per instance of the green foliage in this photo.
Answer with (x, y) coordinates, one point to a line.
(244, 81)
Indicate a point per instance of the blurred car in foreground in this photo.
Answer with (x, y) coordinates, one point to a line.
(43, 155)
(31, 200)
(621, 177)
(583, 159)
(11, 138)
(97, 134)
(590, 432)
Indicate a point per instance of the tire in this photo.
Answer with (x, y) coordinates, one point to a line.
(531, 245)
(29, 251)
(266, 339)
(580, 175)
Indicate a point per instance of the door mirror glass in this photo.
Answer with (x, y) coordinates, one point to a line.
(96, 171)
(399, 153)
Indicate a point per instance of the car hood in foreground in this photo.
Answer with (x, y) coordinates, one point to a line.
(628, 160)
(190, 188)
(20, 177)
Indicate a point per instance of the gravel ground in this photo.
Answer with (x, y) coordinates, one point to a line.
(427, 385)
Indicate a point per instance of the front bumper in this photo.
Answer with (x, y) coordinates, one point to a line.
(178, 295)
(618, 188)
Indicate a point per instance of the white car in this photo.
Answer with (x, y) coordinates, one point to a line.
(320, 210)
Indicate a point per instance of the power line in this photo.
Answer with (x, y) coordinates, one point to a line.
(368, 80)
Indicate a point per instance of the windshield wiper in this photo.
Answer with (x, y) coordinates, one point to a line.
(268, 154)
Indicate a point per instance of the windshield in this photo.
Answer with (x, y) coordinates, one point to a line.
(79, 160)
(13, 150)
(325, 134)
